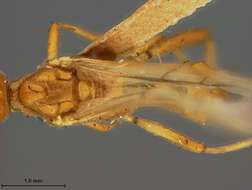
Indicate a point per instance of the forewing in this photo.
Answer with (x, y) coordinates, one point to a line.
(195, 90)
(147, 21)
(198, 74)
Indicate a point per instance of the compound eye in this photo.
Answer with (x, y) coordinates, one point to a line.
(4, 103)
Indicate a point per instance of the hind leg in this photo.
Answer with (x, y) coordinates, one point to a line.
(101, 126)
(184, 141)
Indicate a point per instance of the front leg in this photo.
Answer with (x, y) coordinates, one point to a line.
(53, 39)
(53, 42)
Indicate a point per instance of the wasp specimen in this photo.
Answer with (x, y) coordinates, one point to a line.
(109, 80)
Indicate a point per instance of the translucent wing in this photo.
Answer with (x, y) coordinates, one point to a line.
(150, 19)
(196, 91)
(198, 74)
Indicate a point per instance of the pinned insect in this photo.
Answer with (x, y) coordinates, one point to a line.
(109, 80)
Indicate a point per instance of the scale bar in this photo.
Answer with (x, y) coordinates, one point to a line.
(33, 185)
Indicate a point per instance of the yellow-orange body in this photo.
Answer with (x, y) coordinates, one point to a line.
(56, 94)
(109, 80)
(64, 95)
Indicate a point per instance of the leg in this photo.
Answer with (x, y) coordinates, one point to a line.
(184, 141)
(181, 56)
(100, 126)
(164, 45)
(53, 40)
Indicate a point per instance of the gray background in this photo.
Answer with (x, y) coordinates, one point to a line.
(127, 157)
